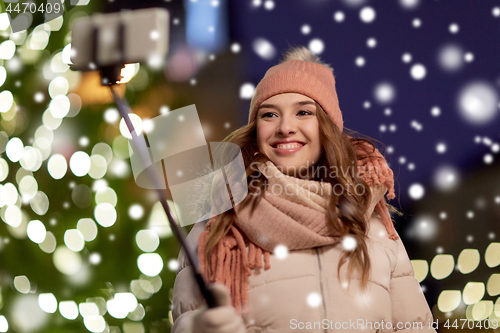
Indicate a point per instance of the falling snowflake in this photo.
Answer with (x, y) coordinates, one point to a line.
(451, 57)
(477, 103)
(264, 48)
(446, 178)
(418, 71)
(367, 14)
(360, 61)
(281, 252)
(339, 16)
(305, 29)
(314, 300)
(316, 46)
(384, 92)
(406, 57)
(247, 90)
(453, 28)
(349, 243)
(416, 191)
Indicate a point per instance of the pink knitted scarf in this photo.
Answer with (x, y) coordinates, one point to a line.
(294, 217)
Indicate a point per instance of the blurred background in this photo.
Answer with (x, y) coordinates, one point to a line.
(83, 248)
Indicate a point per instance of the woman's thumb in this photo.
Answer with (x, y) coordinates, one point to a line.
(221, 294)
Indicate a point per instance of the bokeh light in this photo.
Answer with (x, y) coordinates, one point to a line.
(449, 300)
(28, 187)
(492, 255)
(36, 231)
(468, 260)
(4, 325)
(22, 284)
(49, 243)
(150, 264)
(79, 163)
(493, 285)
(136, 212)
(420, 268)
(6, 101)
(88, 309)
(473, 292)
(111, 115)
(103, 150)
(58, 86)
(147, 240)
(87, 228)
(66, 261)
(13, 216)
(9, 194)
(105, 214)
(14, 149)
(442, 266)
(26, 315)
(47, 302)
(40, 203)
(59, 106)
(68, 309)
(73, 239)
(136, 122)
(98, 166)
(95, 323)
(106, 195)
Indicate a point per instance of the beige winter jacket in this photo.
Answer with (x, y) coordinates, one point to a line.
(302, 293)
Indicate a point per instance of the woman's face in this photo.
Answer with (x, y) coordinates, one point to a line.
(288, 133)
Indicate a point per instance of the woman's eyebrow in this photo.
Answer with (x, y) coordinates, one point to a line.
(267, 106)
(273, 106)
(305, 103)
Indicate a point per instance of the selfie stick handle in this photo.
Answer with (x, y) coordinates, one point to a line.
(177, 231)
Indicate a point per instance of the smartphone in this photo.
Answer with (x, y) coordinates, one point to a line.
(128, 36)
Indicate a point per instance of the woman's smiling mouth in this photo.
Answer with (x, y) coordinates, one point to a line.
(288, 148)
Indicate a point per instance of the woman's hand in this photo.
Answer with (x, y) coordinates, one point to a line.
(222, 319)
(378, 192)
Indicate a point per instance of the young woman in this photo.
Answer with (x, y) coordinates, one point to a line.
(313, 245)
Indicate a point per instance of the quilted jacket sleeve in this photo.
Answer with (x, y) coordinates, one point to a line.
(187, 297)
(410, 311)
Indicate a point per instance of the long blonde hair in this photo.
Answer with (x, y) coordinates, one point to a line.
(346, 213)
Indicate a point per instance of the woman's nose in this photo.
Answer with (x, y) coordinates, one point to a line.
(287, 125)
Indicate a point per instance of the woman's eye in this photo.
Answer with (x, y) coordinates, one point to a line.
(265, 115)
(305, 112)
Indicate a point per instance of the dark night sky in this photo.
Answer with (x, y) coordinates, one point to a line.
(479, 32)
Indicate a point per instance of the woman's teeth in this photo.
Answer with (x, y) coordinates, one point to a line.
(288, 146)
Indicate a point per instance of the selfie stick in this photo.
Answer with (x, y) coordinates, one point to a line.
(177, 231)
(109, 76)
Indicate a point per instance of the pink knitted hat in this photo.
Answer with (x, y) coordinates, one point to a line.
(316, 80)
(304, 77)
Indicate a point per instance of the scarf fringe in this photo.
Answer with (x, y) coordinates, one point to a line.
(377, 171)
(231, 264)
